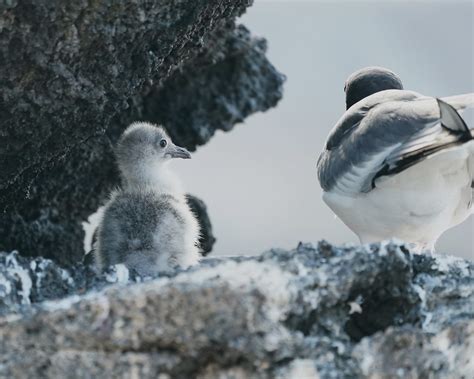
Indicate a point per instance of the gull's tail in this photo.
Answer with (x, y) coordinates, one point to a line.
(460, 102)
(451, 120)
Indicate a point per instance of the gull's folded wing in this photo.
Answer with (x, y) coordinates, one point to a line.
(449, 132)
(397, 130)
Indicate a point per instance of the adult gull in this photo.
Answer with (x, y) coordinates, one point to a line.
(398, 164)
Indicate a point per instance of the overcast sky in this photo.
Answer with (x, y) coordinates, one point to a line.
(259, 181)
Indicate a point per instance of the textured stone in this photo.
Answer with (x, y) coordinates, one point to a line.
(74, 74)
(207, 239)
(316, 311)
(227, 82)
(409, 353)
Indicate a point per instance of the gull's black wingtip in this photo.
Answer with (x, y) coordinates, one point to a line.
(452, 120)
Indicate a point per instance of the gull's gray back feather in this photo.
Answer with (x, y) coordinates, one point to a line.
(375, 134)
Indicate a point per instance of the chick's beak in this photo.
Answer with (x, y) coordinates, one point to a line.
(178, 152)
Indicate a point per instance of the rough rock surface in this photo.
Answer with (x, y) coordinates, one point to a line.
(74, 74)
(207, 239)
(222, 82)
(313, 312)
(412, 354)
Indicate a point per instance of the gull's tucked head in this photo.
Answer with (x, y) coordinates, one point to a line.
(368, 81)
(146, 146)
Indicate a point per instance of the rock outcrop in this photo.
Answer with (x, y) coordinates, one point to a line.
(206, 239)
(74, 74)
(313, 312)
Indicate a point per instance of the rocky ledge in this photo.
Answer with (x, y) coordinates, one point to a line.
(313, 312)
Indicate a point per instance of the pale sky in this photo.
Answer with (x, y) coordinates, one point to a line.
(259, 181)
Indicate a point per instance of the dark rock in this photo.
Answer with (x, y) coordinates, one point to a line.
(229, 80)
(284, 314)
(74, 74)
(207, 239)
(24, 281)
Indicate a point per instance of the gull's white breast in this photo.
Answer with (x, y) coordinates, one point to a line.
(416, 205)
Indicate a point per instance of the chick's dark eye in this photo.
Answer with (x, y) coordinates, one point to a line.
(163, 143)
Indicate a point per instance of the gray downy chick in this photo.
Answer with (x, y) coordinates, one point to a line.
(147, 225)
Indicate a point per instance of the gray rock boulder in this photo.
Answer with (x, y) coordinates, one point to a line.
(411, 353)
(74, 74)
(313, 312)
